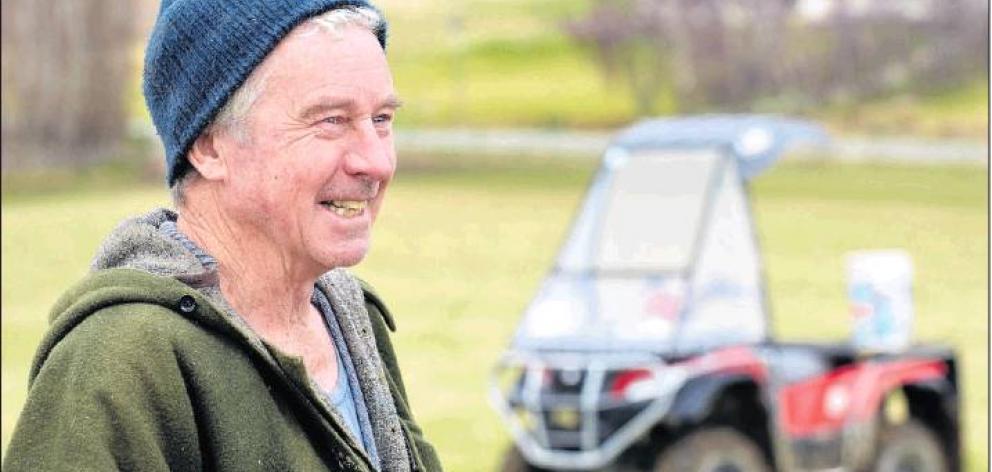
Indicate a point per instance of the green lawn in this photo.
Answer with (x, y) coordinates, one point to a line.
(458, 254)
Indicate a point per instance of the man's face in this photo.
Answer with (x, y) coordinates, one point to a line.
(311, 175)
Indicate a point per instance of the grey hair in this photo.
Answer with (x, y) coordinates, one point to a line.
(232, 117)
(178, 189)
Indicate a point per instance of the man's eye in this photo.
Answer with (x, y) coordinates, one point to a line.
(382, 119)
(335, 120)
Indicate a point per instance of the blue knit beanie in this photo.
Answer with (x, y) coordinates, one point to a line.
(201, 51)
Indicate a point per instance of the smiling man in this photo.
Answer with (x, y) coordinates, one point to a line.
(226, 335)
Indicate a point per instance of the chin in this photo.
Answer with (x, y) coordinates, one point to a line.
(343, 257)
(349, 261)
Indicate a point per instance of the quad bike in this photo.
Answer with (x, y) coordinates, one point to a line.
(647, 345)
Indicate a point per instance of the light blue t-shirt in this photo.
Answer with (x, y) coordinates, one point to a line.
(343, 400)
(347, 396)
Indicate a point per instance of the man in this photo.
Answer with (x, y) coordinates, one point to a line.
(226, 336)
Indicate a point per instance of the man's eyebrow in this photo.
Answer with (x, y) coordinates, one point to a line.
(324, 105)
(391, 101)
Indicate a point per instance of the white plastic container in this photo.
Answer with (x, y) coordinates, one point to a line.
(880, 289)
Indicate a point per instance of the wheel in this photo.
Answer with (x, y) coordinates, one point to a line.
(718, 449)
(513, 461)
(909, 447)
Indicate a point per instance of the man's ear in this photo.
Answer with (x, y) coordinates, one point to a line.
(205, 157)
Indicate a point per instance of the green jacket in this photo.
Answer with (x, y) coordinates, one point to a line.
(144, 371)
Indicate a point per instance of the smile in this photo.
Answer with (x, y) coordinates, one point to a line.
(346, 208)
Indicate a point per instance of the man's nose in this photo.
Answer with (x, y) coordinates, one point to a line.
(370, 154)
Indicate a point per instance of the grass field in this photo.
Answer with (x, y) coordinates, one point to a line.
(457, 254)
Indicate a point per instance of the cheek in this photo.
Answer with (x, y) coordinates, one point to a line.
(261, 188)
(287, 191)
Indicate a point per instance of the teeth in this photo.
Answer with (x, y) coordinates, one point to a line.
(346, 208)
(350, 204)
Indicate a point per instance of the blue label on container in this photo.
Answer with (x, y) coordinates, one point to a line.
(874, 320)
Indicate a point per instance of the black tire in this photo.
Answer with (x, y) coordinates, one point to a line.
(718, 449)
(514, 461)
(909, 447)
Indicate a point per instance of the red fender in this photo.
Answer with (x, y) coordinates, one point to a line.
(850, 393)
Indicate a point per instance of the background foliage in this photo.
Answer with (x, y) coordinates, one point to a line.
(782, 55)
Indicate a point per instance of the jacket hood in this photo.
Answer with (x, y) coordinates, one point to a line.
(137, 243)
(137, 263)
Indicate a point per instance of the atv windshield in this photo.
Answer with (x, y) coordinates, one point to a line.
(662, 257)
(647, 224)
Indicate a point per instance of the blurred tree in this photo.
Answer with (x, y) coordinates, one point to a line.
(766, 54)
(711, 52)
(629, 47)
(66, 67)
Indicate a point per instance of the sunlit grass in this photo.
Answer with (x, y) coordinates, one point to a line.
(458, 253)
